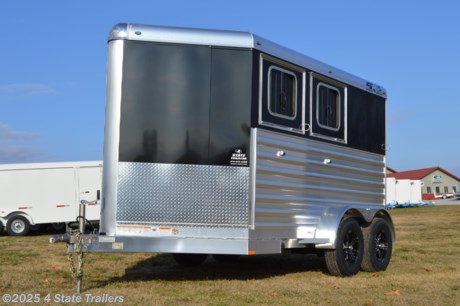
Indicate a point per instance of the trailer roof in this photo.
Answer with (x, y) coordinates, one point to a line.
(237, 39)
(75, 164)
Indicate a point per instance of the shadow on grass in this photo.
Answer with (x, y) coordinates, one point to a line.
(163, 267)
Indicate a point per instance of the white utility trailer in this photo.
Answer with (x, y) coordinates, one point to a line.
(403, 191)
(225, 143)
(47, 193)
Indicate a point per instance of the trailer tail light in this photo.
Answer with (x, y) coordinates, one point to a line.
(61, 205)
(24, 208)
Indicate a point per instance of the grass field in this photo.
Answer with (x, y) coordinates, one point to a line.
(425, 270)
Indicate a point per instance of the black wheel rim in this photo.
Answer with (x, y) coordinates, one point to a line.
(351, 248)
(381, 246)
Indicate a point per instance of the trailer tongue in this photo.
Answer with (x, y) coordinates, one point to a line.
(224, 143)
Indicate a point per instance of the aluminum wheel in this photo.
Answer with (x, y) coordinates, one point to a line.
(18, 226)
(346, 259)
(378, 240)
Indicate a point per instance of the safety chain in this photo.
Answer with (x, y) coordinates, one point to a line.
(80, 248)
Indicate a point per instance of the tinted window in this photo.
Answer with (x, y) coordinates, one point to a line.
(282, 86)
(328, 109)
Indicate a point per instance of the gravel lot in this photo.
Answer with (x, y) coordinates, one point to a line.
(451, 201)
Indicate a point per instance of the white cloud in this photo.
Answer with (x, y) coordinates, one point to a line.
(18, 146)
(26, 89)
(7, 133)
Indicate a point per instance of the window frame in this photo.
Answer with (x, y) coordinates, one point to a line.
(318, 130)
(338, 115)
(268, 118)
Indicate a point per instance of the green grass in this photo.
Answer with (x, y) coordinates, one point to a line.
(425, 270)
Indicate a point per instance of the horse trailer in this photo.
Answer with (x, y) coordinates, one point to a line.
(47, 193)
(225, 143)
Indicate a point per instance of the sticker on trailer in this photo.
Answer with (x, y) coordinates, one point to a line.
(133, 229)
(166, 231)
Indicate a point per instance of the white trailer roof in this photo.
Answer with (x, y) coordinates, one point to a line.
(27, 166)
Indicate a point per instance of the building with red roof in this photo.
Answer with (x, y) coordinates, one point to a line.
(436, 182)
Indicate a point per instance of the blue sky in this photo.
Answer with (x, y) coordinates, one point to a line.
(54, 54)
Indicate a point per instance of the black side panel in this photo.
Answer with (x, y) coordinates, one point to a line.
(184, 104)
(230, 106)
(366, 121)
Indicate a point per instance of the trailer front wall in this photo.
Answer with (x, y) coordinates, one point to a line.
(184, 140)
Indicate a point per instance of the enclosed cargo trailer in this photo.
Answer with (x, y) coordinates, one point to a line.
(225, 143)
(403, 192)
(47, 193)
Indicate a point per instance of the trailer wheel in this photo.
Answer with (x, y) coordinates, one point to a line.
(225, 258)
(378, 246)
(58, 226)
(17, 226)
(346, 259)
(189, 260)
(35, 228)
(1, 228)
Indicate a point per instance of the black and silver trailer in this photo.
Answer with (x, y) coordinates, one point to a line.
(225, 143)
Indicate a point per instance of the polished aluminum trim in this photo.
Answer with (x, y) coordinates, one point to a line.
(111, 137)
(238, 40)
(179, 35)
(252, 178)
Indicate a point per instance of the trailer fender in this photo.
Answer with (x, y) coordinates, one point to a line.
(17, 213)
(332, 217)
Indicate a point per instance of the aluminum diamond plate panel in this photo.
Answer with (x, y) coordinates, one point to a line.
(173, 194)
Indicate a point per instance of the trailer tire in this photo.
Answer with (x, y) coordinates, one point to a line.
(189, 260)
(17, 226)
(1, 228)
(35, 228)
(226, 258)
(347, 257)
(378, 247)
(58, 226)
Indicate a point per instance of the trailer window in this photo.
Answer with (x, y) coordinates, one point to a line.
(282, 88)
(281, 94)
(328, 107)
(428, 189)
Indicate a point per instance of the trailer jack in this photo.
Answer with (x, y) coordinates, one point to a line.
(76, 246)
